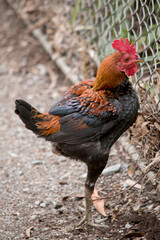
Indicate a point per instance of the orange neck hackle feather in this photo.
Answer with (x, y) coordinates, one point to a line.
(108, 74)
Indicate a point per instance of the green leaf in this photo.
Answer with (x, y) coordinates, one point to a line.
(150, 88)
(150, 58)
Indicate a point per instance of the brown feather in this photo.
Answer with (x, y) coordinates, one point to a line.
(48, 124)
(108, 75)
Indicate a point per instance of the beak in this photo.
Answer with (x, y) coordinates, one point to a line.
(139, 60)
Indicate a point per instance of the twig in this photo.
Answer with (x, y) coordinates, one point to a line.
(38, 24)
(154, 160)
(53, 77)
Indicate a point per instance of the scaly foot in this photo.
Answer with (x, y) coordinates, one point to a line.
(91, 223)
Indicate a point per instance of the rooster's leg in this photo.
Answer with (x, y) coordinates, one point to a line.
(88, 205)
(89, 188)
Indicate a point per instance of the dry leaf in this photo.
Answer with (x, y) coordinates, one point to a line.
(99, 204)
(28, 231)
(157, 125)
(137, 206)
(130, 183)
(131, 170)
(144, 127)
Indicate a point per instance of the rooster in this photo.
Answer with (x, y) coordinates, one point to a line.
(91, 116)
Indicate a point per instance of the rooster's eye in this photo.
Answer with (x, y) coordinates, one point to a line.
(126, 59)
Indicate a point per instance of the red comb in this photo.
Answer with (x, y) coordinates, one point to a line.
(122, 46)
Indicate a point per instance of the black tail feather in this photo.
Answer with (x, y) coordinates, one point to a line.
(26, 113)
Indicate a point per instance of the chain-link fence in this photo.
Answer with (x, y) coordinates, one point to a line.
(102, 21)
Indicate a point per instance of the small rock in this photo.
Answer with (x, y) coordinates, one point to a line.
(23, 43)
(61, 210)
(25, 189)
(62, 159)
(10, 49)
(57, 205)
(157, 209)
(34, 238)
(84, 175)
(150, 207)
(33, 217)
(30, 97)
(43, 205)
(42, 69)
(37, 203)
(46, 229)
(37, 163)
(128, 226)
(112, 169)
(21, 173)
(12, 154)
(124, 186)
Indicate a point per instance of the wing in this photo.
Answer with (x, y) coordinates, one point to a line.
(85, 115)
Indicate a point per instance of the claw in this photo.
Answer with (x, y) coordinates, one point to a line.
(90, 223)
(96, 225)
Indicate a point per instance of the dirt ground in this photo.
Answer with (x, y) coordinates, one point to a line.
(40, 193)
